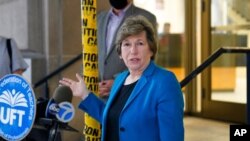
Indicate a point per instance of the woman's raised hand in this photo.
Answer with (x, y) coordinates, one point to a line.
(78, 88)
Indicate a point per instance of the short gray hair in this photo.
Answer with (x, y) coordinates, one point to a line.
(134, 25)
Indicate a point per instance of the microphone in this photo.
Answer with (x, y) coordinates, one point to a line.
(54, 114)
(59, 106)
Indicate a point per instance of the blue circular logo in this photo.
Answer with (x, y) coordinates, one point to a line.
(17, 107)
(66, 112)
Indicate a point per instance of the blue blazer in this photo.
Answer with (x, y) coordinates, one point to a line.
(153, 112)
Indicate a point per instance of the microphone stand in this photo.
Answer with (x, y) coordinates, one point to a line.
(54, 127)
(54, 131)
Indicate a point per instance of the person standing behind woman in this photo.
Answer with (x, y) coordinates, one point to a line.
(146, 101)
(108, 24)
(11, 62)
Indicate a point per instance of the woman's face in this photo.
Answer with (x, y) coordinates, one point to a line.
(135, 52)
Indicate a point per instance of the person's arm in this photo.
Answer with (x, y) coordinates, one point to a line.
(18, 71)
(170, 110)
(93, 106)
(18, 63)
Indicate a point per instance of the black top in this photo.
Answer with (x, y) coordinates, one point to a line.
(112, 131)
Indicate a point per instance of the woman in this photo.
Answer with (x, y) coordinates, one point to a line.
(146, 102)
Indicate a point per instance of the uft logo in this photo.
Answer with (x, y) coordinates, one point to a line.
(17, 107)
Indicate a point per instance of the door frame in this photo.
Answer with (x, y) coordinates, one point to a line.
(219, 110)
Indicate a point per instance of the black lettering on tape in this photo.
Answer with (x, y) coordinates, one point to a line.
(91, 131)
(87, 138)
(92, 41)
(90, 32)
(93, 87)
(94, 16)
(88, 10)
(90, 57)
(84, 22)
(90, 79)
(88, 2)
(90, 66)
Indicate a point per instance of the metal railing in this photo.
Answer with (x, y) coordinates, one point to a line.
(58, 70)
(213, 57)
(55, 72)
(210, 59)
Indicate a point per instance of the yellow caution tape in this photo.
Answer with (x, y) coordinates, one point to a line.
(92, 129)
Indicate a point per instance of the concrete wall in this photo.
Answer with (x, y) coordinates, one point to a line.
(14, 23)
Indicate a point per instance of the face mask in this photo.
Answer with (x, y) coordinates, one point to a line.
(118, 4)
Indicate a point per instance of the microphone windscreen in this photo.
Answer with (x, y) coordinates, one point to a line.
(62, 93)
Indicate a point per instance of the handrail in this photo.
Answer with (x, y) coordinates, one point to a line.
(214, 56)
(58, 70)
(210, 59)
